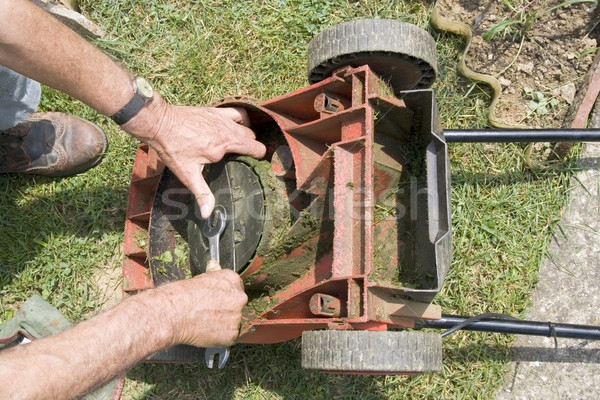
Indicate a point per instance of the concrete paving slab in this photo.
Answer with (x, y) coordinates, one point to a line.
(568, 292)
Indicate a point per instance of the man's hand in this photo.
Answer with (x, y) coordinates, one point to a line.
(207, 309)
(186, 138)
(203, 311)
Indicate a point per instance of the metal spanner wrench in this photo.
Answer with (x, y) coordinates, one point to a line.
(212, 227)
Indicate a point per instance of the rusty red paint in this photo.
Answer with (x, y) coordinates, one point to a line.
(332, 154)
(253, 267)
(147, 169)
(325, 305)
(275, 333)
(258, 279)
(309, 280)
(343, 213)
(136, 275)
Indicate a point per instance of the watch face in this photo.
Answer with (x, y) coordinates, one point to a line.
(143, 87)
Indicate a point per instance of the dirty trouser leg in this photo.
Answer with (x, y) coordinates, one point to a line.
(19, 97)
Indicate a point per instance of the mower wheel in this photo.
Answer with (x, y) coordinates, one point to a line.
(372, 352)
(401, 53)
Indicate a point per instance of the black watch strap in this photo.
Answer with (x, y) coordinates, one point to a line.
(129, 110)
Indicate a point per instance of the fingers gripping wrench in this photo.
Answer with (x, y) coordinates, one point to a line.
(212, 228)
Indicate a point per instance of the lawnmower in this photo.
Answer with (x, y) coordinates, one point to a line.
(342, 231)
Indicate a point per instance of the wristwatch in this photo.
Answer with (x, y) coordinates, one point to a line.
(142, 93)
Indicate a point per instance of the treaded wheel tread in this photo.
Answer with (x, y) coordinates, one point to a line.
(338, 45)
(375, 351)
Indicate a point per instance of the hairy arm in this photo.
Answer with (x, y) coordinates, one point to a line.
(204, 311)
(40, 47)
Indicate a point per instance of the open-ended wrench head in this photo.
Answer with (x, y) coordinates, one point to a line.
(210, 355)
(215, 224)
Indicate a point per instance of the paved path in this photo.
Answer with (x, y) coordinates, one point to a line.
(568, 292)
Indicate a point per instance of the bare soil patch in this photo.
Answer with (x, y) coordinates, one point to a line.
(550, 59)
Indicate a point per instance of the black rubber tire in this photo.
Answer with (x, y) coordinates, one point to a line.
(398, 52)
(372, 351)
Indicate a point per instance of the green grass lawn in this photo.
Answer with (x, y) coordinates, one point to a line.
(57, 233)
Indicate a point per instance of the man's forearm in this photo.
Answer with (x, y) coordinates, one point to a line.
(186, 138)
(204, 311)
(40, 47)
(91, 354)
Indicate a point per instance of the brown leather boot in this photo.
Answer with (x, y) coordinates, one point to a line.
(51, 144)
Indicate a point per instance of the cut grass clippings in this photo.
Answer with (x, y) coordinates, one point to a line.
(56, 232)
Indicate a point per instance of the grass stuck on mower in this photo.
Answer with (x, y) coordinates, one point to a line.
(343, 230)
